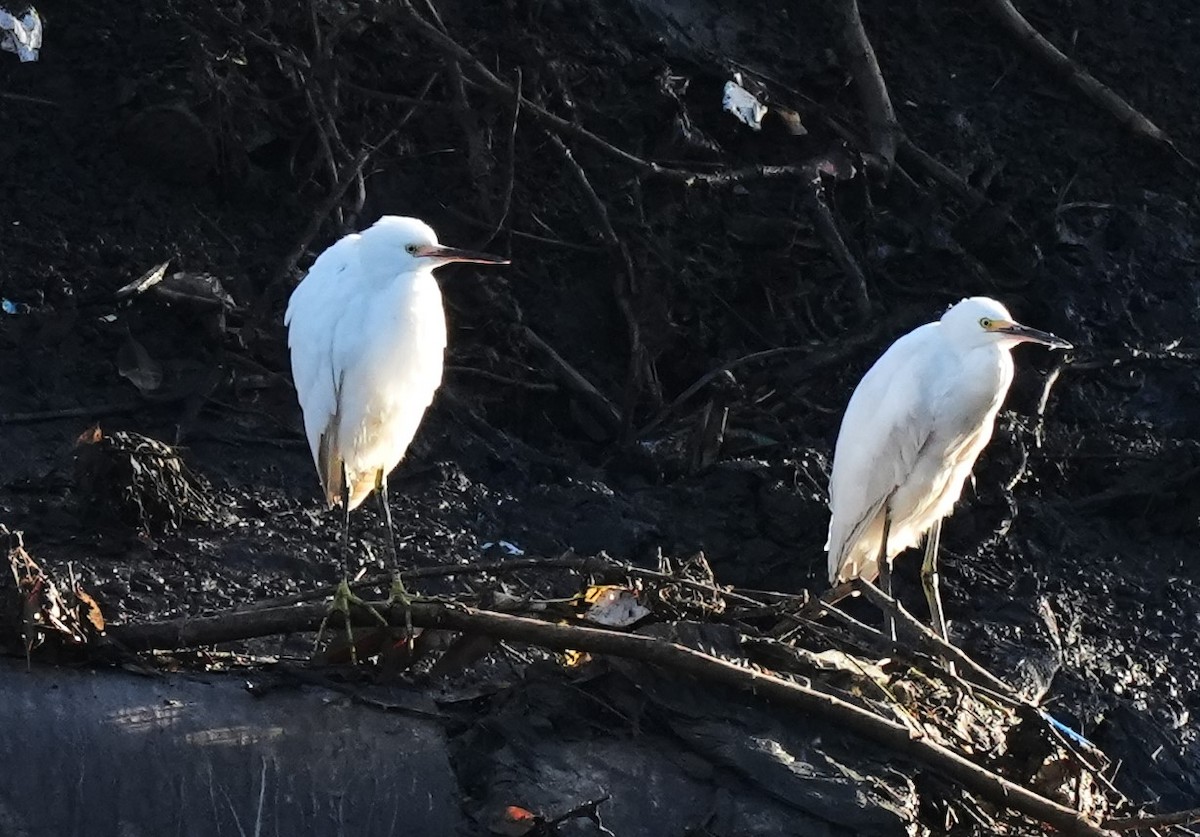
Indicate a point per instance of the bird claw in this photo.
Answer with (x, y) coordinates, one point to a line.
(398, 595)
(343, 598)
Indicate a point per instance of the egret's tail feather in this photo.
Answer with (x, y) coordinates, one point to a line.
(330, 468)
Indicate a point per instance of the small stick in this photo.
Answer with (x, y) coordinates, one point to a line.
(540, 239)
(597, 565)
(398, 98)
(533, 386)
(118, 408)
(929, 639)
(350, 174)
(638, 369)
(33, 100)
(1146, 822)
(915, 156)
(604, 409)
(711, 375)
(819, 357)
(827, 228)
(510, 175)
(1051, 380)
(345, 178)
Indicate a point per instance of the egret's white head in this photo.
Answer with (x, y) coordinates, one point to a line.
(409, 243)
(980, 321)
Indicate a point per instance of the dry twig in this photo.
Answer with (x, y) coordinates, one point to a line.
(599, 565)
(1148, 822)
(827, 228)
(604, 409)
(638, 371)
(930, 641)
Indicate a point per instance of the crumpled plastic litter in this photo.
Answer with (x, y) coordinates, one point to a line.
(21, 33)
(743, 104)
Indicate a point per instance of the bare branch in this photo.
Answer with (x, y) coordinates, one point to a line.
(872, 91)
(1092, 89)
(604, 409)
(1149, 821)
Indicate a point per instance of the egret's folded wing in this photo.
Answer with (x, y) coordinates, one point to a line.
(887, 423)
(313, 318)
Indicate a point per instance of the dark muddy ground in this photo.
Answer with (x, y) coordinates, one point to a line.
(166, 132)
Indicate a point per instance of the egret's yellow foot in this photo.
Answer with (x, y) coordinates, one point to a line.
(398, 595)
(343, 597)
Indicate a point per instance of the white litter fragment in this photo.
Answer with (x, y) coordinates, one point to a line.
(21, 33)
(741, 103)
(510, 548)
(144, 282)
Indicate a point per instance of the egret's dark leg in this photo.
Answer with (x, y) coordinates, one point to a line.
(931, 582)
(885, 571)
(386, 509)
(342, 597)
(398, 592)
(345, 524)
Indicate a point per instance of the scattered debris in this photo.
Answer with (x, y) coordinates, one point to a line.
(45, 613)
(127, 478)
(201, 292)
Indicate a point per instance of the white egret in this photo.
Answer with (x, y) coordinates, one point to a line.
(367, 335)
(912, 431)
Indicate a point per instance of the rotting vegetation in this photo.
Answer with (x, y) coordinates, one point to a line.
(662, 371)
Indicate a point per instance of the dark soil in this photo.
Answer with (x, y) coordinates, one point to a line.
(179, 131)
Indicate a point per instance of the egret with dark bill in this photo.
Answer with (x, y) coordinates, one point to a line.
(912, 431)
(367, 335)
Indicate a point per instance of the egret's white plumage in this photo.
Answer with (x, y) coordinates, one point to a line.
(367, 334)
(913, 429)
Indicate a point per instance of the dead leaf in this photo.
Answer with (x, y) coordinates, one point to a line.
(514, 821)
(574, 659)
(135, 364)
(91, 436)
(613, 606)
(45, 612)
(791, 121)
(91, 609)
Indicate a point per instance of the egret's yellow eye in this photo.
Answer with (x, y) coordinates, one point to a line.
(985, 322)
(412, 248)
